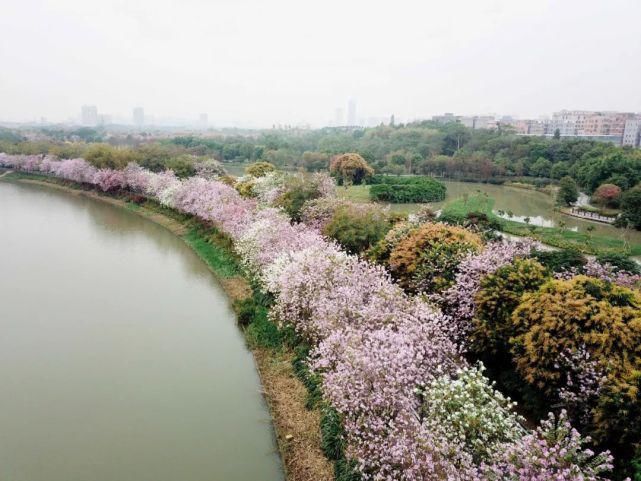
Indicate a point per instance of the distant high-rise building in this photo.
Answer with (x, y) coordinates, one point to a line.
(391, 120)
(203, 120)
(351, 112)
(89, 115)
(139, 116)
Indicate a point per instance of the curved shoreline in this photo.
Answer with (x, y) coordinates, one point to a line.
(296, 428)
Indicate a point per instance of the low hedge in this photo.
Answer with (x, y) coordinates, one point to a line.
(425, 190)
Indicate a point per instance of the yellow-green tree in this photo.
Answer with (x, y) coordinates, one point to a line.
(350, 169)
(580, 313)
(259, 169)
(499, 295)
(426, 259)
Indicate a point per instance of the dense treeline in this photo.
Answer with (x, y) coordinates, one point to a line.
(420, 148)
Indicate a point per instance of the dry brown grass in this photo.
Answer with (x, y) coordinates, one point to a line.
(297, 428)
(236, 288)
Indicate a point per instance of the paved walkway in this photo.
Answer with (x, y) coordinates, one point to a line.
(583, 214)
(6, 173)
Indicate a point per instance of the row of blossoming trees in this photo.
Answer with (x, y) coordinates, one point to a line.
(392, 340)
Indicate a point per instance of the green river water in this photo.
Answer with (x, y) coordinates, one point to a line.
(120, 358)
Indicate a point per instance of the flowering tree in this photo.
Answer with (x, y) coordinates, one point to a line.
(109, 180)
(467, 410)
(555, 452)
(459, 300)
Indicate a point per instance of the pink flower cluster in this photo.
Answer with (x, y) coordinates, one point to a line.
(555, 452)
(608, 273)
(458, 300)
(584, 380)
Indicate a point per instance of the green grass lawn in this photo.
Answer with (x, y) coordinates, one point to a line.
(356, 193)
(554, 236)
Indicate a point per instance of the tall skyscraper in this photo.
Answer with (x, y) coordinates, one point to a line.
(203, 121)
(338, 117)
(351, 112)
(89, 115)
(139, 116)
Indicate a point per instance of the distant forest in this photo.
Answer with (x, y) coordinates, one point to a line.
(449, 150)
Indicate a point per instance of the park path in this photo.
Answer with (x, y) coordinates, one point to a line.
(581, 214)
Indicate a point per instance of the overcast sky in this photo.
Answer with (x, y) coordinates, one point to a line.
(259, 62)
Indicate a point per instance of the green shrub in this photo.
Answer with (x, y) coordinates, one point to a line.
(345, 470)
(560, 260)
(356, 228)
(425, 190)
(183, 166)
(297, 190)
(499, 295)
(332, 439)
(619, 262)
(311, 381)
(630, 209)
(259, 169)
(247, 310)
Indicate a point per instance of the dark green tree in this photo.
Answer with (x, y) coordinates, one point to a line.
(568, 191)
(631, 208)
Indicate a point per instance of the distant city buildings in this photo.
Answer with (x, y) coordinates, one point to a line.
(203, 121)
(620, 128)
(89, 115)
(139, 116)
(472, 122)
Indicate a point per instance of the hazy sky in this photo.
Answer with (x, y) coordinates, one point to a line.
(258, 62)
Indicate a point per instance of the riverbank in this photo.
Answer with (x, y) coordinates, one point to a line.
(297, 428)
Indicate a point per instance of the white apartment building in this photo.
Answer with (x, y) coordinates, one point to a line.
(632, 132)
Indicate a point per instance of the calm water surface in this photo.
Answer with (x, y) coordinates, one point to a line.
(120, 359)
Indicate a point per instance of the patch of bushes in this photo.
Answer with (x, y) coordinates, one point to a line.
(499, 295)
(259, 169)
(423, 189)
(561, 260)
(311, 381)
(358, 228)
(332, 439)
(425, 259)
(620, 262)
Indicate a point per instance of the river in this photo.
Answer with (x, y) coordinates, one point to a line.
(120, 358)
